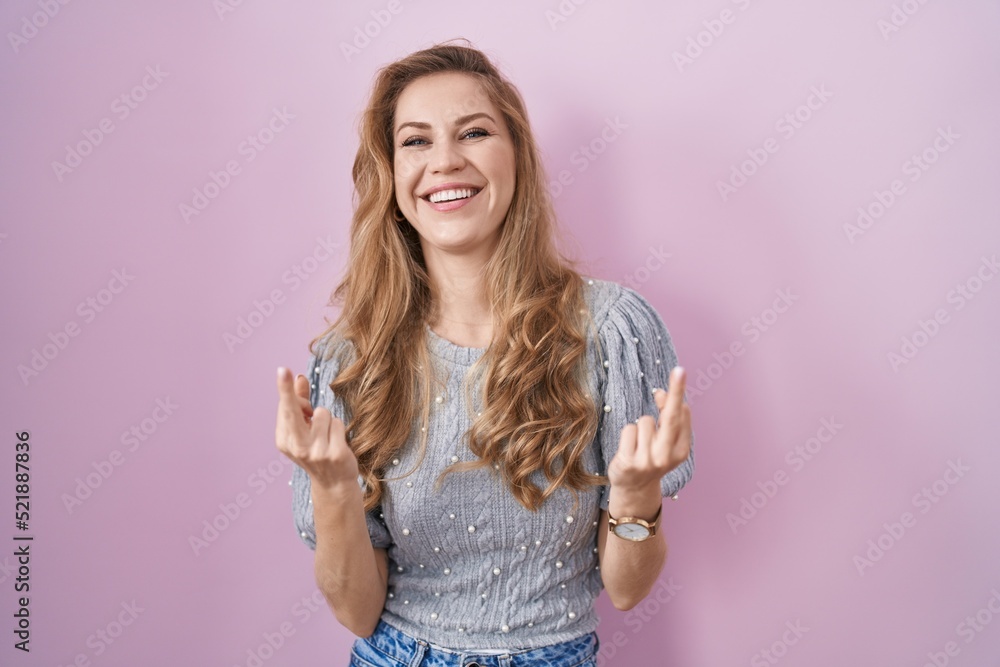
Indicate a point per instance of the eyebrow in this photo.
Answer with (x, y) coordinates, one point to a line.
(458, 121)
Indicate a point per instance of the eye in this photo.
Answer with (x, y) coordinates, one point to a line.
(411, 141)
(476, 130)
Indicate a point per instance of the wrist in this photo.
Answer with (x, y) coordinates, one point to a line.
(334, 493)
(642, 503)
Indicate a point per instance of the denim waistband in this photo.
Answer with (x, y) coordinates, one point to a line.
(391, 647)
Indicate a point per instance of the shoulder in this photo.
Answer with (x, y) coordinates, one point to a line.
(329, 354)
(331, 350)
(615, 307)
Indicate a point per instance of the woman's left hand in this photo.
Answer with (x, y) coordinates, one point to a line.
(649, 449)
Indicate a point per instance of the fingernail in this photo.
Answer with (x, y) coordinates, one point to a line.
(281, 372)
(680, 372)
(300, 375)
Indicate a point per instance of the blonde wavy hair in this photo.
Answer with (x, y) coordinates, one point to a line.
(536, 413)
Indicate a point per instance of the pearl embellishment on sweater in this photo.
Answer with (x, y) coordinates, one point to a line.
(504, 627)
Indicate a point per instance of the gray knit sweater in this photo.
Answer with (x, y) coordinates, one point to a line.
(469, 566)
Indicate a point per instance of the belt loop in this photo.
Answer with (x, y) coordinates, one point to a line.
(418, 654)
(504, 660)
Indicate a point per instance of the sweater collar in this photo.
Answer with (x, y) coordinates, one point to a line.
(449, 351)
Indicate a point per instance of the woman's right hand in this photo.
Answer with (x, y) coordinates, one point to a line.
(313, 439)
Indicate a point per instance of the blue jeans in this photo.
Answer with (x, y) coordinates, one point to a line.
(390, 647)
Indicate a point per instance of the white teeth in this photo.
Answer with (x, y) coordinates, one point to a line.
(448, 195)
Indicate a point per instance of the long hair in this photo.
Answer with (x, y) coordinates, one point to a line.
(534, 410)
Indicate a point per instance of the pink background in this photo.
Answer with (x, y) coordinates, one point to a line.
(653, 190)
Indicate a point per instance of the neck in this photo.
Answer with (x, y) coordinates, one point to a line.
(459, 282)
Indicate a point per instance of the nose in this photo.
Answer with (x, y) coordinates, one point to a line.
(445, 157)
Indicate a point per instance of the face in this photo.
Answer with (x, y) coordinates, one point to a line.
(448, 133)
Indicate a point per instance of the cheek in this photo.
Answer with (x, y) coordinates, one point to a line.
(404, 188)
(511, 171)
(406, 166)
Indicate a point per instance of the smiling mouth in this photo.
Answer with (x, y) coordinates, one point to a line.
(443, 196)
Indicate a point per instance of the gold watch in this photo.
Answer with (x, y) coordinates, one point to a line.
(632, 528)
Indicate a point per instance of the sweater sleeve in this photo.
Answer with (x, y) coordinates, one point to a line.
(321, 372)
(639, 356)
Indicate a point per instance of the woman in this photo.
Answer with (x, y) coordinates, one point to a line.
(453, 434)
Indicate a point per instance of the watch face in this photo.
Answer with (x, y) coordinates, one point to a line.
(632, 531)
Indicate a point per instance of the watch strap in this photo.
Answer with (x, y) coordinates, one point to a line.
(651, 525)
